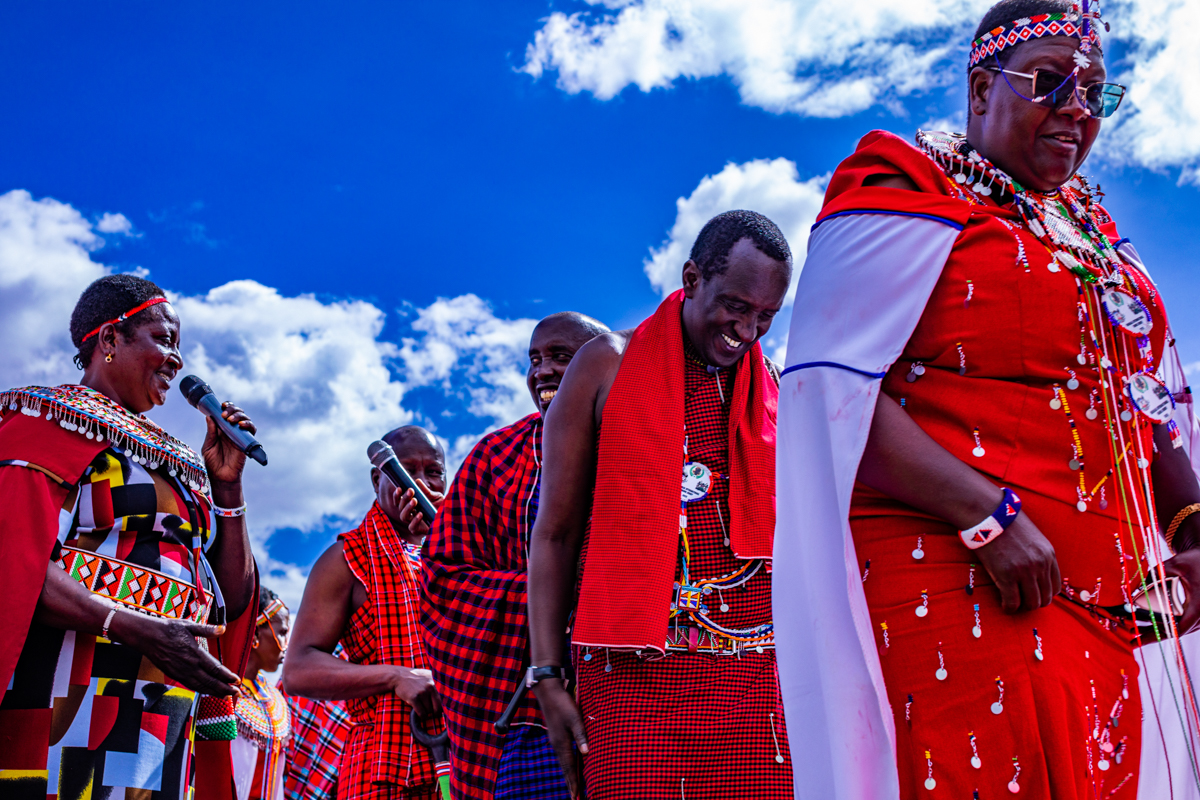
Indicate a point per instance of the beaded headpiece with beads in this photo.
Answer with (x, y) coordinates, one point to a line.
(1082, 22)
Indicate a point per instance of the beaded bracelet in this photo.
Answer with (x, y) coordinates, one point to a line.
(1183, 514)
(230, 512)
(112, 612)
(995, 524)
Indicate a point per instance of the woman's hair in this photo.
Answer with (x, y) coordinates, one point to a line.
(106, 299)
(265, 596)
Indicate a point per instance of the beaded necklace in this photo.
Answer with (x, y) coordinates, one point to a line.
(1063, 220)
(96, 416)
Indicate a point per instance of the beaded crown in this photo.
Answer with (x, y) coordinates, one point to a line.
(1079, 23)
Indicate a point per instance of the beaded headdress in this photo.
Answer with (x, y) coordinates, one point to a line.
(271, 610)
(1081, 22)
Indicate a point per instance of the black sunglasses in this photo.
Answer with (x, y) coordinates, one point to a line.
(1053, 90)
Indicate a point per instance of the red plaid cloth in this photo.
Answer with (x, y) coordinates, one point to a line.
(702, 719)
(384, 630)
(474, 617)
(641, 456)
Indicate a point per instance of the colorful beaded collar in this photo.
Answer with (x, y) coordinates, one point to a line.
(1082, 25)
(1063, 220)
(90, 413)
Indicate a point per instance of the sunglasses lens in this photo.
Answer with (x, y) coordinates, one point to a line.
(1104, 98)
(1055, 88)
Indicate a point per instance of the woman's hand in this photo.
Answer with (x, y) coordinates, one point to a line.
(410, 511)
(564, 727)
(222, 458)
(171, 646)
(416, 687)
(1021, 561)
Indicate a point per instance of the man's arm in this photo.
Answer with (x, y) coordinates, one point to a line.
(311, 669)
(569, 467)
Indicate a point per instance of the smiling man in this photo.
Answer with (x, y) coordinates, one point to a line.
(474, 567)
(678, 693)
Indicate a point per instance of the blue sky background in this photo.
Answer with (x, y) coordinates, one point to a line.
(394, 153)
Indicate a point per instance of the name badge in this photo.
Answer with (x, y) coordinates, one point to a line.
(1128, 312)
(1151, 397)
(697, 479)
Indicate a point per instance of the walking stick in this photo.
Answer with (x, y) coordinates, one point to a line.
(501, 724)
(438, 747)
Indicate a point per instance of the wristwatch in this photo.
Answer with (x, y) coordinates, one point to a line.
(537, 674)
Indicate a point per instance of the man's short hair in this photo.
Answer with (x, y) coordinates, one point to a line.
(722, 232)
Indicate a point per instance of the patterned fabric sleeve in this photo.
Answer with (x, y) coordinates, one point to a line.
(474, 615)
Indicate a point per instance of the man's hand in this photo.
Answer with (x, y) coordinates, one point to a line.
(410, 512)
(1186, 565)
(564, 726)
(171, 646)
(416, 687)
(1021, 562)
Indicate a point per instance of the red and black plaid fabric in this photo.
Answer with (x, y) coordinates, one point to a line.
(705, 720)
(381, 752)
(474, 616)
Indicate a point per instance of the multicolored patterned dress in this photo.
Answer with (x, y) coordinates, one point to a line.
(314, 750)
(83, 716)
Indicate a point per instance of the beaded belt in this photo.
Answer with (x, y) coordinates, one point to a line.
(139, 588)
(693, 639)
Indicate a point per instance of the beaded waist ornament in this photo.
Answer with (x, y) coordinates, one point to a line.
(135, 588)
(95, 416)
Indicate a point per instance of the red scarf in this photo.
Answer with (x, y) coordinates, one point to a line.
(634, 538)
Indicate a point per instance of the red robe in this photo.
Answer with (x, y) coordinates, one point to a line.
(990, 365)
(474, 616)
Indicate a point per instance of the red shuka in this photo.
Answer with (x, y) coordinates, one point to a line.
(633, 541)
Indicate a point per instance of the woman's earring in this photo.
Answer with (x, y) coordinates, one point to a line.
(108, 358)
(255, 641)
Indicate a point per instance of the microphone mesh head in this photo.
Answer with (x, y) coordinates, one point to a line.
(193, 389)
(379, 451)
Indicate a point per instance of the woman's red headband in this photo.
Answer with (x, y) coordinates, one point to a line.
(151, 302)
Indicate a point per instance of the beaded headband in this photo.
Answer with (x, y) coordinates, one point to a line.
(136, 309)
(1079, 23)
(273, 608)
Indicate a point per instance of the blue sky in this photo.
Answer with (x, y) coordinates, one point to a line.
(396, 153)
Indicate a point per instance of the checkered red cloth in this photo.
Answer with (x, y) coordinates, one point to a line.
(635, 511)
(314, 751)
(384, 630)
(474, 617)
(705, 720)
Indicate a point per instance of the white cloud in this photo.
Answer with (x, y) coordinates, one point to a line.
(315, 376)
(821, 58)
(772, 188)
(833, 58)
(1159, 124)
(115, 223)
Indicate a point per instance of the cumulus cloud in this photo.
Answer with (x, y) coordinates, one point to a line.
(315, 376)
(822, 58)
(1159, 127)
(114, 223)
(833, 58)
(772, 188)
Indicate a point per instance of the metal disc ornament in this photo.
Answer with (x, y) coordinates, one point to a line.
(1151, 397)
(1128, 312)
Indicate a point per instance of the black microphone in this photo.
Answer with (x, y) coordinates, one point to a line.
(384, 458)
(201, 396)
